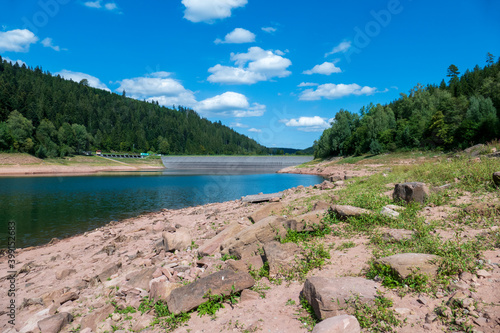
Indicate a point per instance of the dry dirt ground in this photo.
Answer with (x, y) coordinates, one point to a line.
(132, 242)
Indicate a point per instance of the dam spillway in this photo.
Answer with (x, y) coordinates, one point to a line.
(232, 164)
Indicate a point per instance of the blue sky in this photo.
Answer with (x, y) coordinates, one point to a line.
(276, 71)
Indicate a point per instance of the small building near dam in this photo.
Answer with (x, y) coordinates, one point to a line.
(232, 164)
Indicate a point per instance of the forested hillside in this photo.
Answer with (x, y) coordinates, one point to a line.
(48, 116)
(454, 115)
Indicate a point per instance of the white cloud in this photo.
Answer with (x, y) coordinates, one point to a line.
(229, 104)
(158, 86)
(19, 62)
(111, 6)
(255, 130)
(210, 10)
(93, 4)
(237, 36)
(307, 124)
(17, 40)
(308, 84)
(77, 77)
(269, 29)
(254, 66)
(325, 68)
(342, 47)
(333, 91)
(47, 42)
(239, 125)
(97, 4)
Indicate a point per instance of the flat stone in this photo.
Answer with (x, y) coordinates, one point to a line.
(267, 210)
(281, 257)
(338, 324)
(140, 278)
(402, 311)
(249, 295)
(321, 205)
(257, 234)
(404, 263)
(55, 323)
(66, 297)
(161, 288)
(95, 318)
(245, 264)
(190, 296)
(179, 240)
(346, 211)
(328, 296)
(326, 185)
(306, 222)
(483, 273)
(397, 235)
(108, 271)
(386, 211)
(61, 275)
(413, 191)
(213, 245)
(262, 197)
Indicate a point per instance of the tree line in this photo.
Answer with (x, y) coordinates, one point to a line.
(49, 116)
(452, 115)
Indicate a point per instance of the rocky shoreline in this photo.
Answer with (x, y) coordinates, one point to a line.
(101, 281)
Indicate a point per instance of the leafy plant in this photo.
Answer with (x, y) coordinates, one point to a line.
(377, 317)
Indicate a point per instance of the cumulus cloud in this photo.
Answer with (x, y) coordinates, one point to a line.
(254, 66)
(229, 104)
(93, 4)
(341, 48)
(19, 62)
(269, 29)
(17, 40)
(158, 86)
(77, 77)
(333, 91)
(308, 124)
(255, 130)
(239, 125)
(210, 10)
(325, 68)
(47, 42)
(237, 36)
(111, 6)
(308, 84)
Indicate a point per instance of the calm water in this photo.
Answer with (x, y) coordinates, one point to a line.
(47, 207)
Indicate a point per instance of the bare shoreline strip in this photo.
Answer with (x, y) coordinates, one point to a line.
(62, 170)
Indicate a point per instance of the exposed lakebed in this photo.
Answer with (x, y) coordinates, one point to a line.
(48, 207)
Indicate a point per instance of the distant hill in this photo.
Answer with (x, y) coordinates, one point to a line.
(49, 116)
(291, 151)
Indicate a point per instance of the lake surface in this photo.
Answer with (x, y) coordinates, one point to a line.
(48, 207)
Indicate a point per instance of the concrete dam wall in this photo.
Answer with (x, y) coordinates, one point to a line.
(233, 164)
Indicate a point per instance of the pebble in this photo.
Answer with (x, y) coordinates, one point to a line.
(116, 317)
(483, 273)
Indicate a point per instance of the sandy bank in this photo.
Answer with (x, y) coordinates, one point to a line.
(53, 170)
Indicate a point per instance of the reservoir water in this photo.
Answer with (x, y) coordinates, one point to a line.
(48, 207)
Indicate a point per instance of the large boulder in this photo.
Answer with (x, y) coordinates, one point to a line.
(413, 191)
(267, 210)
(346, 211)
(496, 178)
(281, 257)
(328, 296)
(397, 235)
(245, 264)
(55, 323)
(256, 235)
(190, 296)
(338, 324)
(179, 240)
(213, 245)
(406, 263)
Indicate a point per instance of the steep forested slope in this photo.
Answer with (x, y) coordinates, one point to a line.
(453, 115)
(46, 115)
